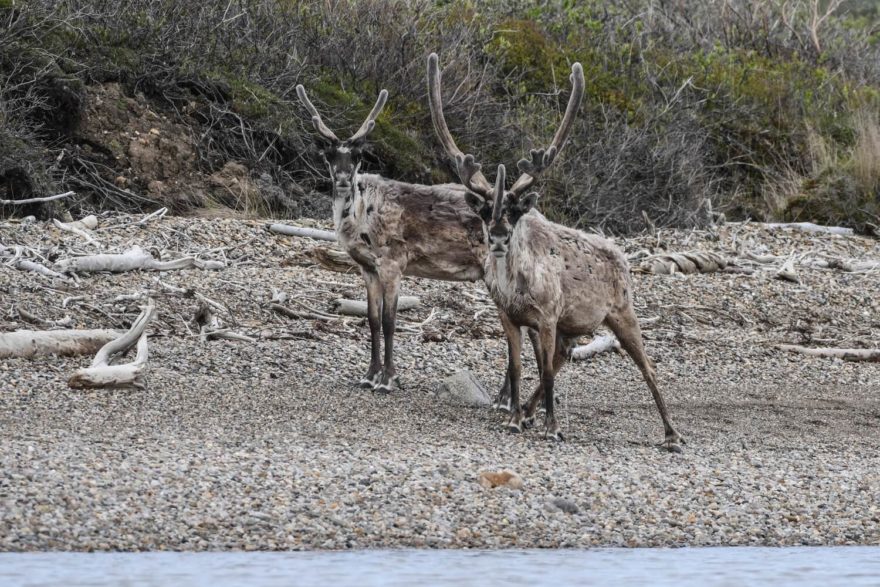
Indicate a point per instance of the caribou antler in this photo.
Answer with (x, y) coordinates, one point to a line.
(500, 178)
(316, 118)
(370, 123)
(467, 167)
(541, 159)
(468, 170)
(365, 129)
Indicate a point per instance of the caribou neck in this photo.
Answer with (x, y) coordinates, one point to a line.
(345, 203)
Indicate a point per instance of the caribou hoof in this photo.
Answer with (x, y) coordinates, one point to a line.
(551, 432)
(673, 443)
(515, 424)
(370, 380)
(386, 383)
(529, 422)
(502, 403)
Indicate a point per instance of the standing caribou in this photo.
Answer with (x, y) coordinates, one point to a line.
(561, 282)
(392, 229)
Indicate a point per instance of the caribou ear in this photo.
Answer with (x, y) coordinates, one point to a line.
(478, 205)
(324, 145)
(519, 206)
(528, 202)
(359, 143)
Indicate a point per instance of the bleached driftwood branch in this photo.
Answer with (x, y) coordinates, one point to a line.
(315, 233)
(359, 308)
(157, 215)
(81, 228)
(869, 355)
(28, 344)
(334, 259)
(36, 200)
(211, 326)
(133, 259)
(102, 375)
(819, 261)
(811, 228)
(25, 265)
(688, 262)
(37, 320)
(787, 272)
(597, 346)
(17, 262)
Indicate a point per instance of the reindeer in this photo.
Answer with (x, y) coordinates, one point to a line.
(392, 229)
(561, 282)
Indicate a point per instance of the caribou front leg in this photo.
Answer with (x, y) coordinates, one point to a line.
(390, 290)
(374, 308)
(502, 401)
(560, 356)
(514, 352)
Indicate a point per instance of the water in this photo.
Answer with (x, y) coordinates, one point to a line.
(726, 566)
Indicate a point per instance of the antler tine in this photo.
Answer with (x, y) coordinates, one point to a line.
(541, 159)
(316, 118)
(468, 169)
(370, 123)
(476, 182)
(500, 178)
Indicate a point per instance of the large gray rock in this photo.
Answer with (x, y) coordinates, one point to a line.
(463, 388)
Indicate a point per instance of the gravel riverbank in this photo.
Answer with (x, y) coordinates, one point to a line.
(268, 445)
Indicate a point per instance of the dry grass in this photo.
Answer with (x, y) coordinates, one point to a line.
(866, 152)
(779, 191)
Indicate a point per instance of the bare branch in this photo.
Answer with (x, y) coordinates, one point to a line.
(36, 200)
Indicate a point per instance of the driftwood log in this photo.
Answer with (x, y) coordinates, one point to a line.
(597, 346)
(811, 228)
(39, 343)
(334, 259)
(688, 262)
(131, 260)
(868, 355)
(102, 375)
(359, 308)
(314, 233)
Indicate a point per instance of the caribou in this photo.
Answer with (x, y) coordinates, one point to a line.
(560, 282)
(391, 229)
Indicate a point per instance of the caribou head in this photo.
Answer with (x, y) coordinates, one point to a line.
(342, 158)
(507, 208)
(499, 207)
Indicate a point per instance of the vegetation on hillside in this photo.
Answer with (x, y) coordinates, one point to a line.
(766, 109)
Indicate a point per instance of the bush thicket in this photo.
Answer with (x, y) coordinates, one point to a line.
(766, 109)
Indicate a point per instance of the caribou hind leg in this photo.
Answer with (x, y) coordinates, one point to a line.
(374, 309)
(625, 326)
(547, 335)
